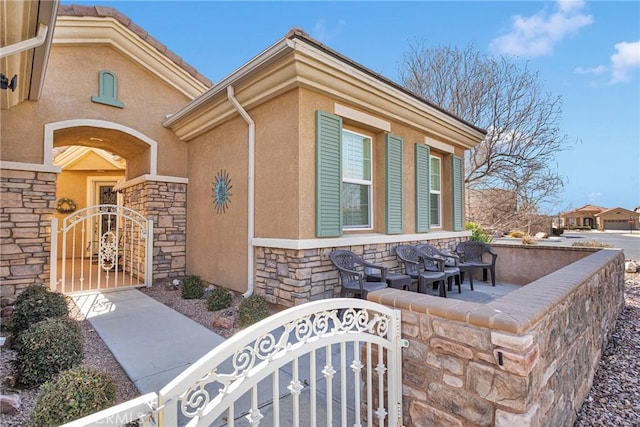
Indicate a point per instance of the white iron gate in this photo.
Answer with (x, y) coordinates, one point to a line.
(324, 363)
(101, 247)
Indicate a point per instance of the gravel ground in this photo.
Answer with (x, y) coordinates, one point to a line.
(612, 401)
(195, 309)
(614, 398)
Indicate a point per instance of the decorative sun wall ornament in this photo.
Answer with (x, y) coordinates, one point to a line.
(222, 191)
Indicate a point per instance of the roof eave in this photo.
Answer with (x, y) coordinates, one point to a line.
(297, 41)
(269, 55)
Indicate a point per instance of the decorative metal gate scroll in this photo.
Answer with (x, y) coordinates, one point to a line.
(101, 247)
(330, 362)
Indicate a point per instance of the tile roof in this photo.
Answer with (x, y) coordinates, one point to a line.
(109, 12)
(590, 208)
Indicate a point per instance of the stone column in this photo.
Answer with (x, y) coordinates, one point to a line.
(27, 203)
(166, 204)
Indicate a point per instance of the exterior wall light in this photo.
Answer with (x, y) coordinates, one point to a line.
(6, 84)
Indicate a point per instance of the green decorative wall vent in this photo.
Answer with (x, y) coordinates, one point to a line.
(108, 90)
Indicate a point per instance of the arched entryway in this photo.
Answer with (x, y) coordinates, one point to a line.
(138, 149)
(159, 199)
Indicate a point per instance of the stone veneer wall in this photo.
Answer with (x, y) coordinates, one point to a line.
(526, 359)
(27, 203)
(289, 277)
(165, 204)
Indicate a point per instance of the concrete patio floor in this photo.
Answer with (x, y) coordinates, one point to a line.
(483, 292)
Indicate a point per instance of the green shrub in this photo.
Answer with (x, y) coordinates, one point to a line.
(192, 287)
(47, 348)
(35, 304)
(252, 310)
(74, 394)
(478, 234)
(219, 298)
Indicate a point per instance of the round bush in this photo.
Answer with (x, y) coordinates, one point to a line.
(219, 298)
(47, 348)
(35, 304)
(192, 287)
(252, 310)
(74, 394)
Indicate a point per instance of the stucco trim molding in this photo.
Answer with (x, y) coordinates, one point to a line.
(360, 117)
(86, 30)
(153, 178)
(31, 167)
(355, 240)
(50, 128)
(439, 145)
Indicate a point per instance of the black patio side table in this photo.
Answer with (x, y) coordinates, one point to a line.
(394, 280)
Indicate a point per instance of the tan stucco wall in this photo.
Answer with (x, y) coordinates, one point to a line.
(71, 81)
(278, 174)
(217, 242)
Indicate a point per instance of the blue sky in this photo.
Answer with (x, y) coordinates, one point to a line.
(586, 52)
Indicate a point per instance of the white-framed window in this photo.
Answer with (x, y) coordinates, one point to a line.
(357, 181)
(435, 171)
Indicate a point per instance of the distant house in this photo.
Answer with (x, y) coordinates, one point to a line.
(581, 217)
(618, 219)
(600, 218)
(249, 182)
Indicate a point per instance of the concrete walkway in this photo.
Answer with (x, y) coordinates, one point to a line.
(152, 342)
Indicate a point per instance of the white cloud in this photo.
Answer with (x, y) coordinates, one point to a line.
(625, 60)
(324, 34)
(601, 69)
(537, 35)
(594, 197)
(624, 63)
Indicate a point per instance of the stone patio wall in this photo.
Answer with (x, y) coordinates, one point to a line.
(288, 277)
(526, 359)
(27, 203)
(165, 203)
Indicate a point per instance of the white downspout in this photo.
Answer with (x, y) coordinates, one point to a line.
(251, 190)
(31, 43)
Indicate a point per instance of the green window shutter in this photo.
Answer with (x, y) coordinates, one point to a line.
(394, 160)
(328, 175)
(423, 189)
(457, 185)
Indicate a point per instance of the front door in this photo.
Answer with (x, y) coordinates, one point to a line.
(106, 196)
(101, 193)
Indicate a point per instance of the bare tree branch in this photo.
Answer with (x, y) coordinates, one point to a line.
(522, 121)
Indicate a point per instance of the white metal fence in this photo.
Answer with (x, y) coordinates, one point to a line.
(101, 247)
(323, 363)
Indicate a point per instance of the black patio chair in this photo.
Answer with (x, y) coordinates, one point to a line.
(476, 255)
(420, 266)
(451, 269)
(352, 276)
